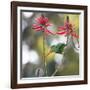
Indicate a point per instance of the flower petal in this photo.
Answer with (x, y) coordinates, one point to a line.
(75, 35)
(61, 33)
(45, 19)
(49, 32)
(37, 27)
(42, 20)
(62, 28)
(48, 24)
(39, 20)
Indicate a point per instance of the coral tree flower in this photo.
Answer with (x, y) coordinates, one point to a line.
(67, 29)
(41, 24)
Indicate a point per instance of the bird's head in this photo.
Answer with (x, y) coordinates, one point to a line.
(58, 48)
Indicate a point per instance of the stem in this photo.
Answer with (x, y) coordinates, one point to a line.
(45, 63)
(67, 19)
(73, 42)
(67, 39)
(78, 43)
(54, 72)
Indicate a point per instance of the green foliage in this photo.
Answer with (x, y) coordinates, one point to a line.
(70, 69)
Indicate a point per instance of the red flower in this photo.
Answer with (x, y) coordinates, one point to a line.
(42, 20)
(67, 29)
(42, 24)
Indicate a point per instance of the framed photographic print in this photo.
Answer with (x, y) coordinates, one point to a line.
(48, 44)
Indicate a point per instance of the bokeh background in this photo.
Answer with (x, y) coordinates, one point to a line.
(32, 46)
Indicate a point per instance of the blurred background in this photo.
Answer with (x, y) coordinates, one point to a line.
(32, 62)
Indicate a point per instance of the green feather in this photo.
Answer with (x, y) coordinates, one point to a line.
(58, 48)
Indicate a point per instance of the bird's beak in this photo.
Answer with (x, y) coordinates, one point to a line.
(49, 52)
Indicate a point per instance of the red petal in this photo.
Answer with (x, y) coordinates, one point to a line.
(42, 20)
(62, 28)
(37, 27)
(61, 33)
(66, 23)
(75, 35)
(45, 19)
(39, 20)
(48, 24)
(49, 32)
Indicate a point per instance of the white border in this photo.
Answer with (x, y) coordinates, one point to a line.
(51, 79)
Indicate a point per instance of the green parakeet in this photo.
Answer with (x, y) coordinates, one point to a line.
(57, 48)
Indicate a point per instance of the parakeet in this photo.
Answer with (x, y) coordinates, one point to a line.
(57, 48)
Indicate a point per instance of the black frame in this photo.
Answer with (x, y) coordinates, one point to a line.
(14, 6)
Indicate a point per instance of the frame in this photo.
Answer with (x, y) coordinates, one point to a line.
(48, 44)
